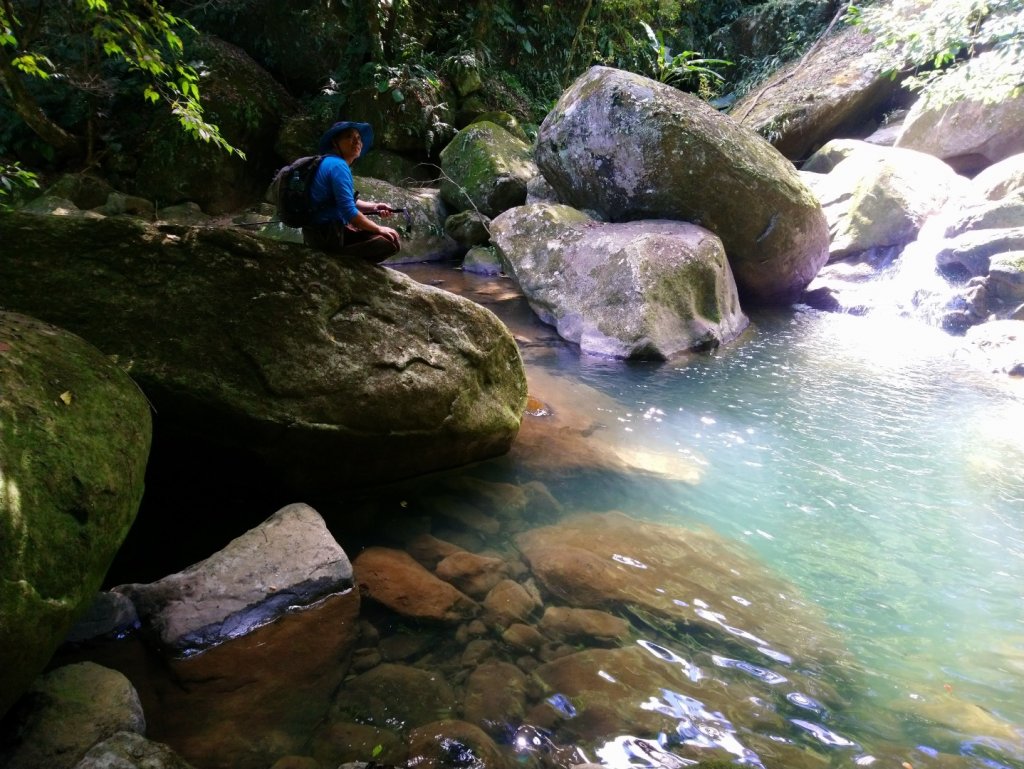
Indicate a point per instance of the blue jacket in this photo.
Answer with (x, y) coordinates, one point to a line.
(333, 193)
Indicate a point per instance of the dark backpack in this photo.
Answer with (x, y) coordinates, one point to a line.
(293, 184)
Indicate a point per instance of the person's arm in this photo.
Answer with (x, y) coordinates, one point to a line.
(377, 209)
(362, 222)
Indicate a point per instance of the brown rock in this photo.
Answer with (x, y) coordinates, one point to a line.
(523, 637)
(429, 550)
(393, 578)
(473, 574)
(509, 602)
(394, 697)
(584, 625)
(339, 743)
(495, 697)
(453, 743)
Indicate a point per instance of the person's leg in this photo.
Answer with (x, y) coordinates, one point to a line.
(367, 246)
(323, 237)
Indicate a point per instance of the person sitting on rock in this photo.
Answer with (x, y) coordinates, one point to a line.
(340, 223)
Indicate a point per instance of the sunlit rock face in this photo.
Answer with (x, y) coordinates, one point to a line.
(631, 148)
(827, 93)
(74, 442)
(970, 134)
(277, 350)
(880, 196)
(646, 289)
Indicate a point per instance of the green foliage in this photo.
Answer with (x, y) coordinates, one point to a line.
(686, 71)
(937, 41)
(70, 40)
(12, 179)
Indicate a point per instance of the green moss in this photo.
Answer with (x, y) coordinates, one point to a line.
(74, 439)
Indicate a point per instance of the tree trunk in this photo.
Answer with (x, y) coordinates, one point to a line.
(24, 104)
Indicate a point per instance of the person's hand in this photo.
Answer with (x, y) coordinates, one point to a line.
(392, 235)
(384, 210)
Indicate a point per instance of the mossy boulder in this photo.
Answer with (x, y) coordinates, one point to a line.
(486, 168)
(648, 289)
(335, 373)
(168, 166)
(628, 147)
(74, 441)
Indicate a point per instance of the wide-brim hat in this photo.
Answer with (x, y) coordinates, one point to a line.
(365, 131)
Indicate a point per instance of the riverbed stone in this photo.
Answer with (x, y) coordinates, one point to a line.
(397, 697)
(393, 578)
(587, 626)
(472, 573)
(340, 742)
(468, 228)
(970, 253)
(631, 148)
(509, 602)
(642, 289)
(495, 697)
(430, 550)
(128, 750)
(669, 575)
(65, 713)
(273, 349)
(74, 442)
(998, 346)
(485, 169)
(523, 638)
(446, 743)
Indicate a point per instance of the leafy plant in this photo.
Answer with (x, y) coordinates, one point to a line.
(55, 39)
(937, 43)
(13, 178)
(687, 70)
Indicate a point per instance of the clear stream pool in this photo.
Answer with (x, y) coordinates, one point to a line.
(861, 458)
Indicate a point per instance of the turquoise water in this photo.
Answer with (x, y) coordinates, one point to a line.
(865, 463)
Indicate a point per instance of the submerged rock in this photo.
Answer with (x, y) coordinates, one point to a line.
(394, 579)
(74, 442)
(649, 289)
(275, 349)
(454, 744)
(670, 576)
(394, 697)
(631, 148)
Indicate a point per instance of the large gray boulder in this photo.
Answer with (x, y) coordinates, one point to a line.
(831, 92)
(646, 289)
(337, 373)
(969, 134)
(629, 148)
(486, 168)
(74, 441)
